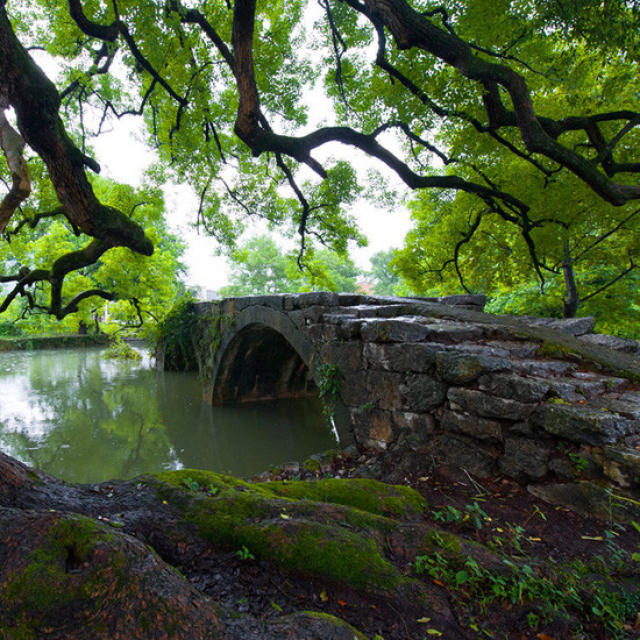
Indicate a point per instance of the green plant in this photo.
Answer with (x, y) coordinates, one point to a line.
(191, 484)
(579, 463)
(175, 336)
(472, 513)
(244, 554)
(328, 379)
(120, 350)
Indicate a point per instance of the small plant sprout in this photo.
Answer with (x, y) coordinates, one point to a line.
(244, 554)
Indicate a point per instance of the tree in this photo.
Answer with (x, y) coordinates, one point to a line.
(582, 251)
(134, 288)
(387, 281)
(222, 87)
(261, 267)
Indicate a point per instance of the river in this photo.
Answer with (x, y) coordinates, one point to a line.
(86, 418)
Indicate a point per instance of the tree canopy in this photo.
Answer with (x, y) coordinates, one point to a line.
(485, 105)
(260, 266)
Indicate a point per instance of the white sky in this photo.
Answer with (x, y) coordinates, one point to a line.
(124, 157)
(384, 228)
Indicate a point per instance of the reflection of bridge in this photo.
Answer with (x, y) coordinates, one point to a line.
(489, 392)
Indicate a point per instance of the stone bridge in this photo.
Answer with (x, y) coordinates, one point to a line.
(545, 402)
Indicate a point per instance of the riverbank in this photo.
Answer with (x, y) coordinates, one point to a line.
(33, 343)
(308, 552)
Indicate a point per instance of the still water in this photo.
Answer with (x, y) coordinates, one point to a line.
(86, 418)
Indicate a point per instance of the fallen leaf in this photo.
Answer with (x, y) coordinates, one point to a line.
(423, 620)
(438, 582)
(544, 636)
(323, 596)
(284, 516)
(595, 538)
(342, 603)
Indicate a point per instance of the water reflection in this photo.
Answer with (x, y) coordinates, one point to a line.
(85, 418)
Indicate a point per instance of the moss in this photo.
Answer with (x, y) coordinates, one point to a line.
(326, 619)
(329, 528)
(44, 585)
(369, 495)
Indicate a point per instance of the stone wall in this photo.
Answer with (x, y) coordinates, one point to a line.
(542, 401)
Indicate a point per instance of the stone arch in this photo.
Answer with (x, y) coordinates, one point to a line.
(262, 356)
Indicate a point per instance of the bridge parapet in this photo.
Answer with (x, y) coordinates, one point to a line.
(539, 400)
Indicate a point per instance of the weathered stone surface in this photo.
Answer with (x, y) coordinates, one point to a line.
(524, 458)
(583, 424)
(515, 348)
(347, 356)
(626, 404)
(384, 388)
(303, 300)
(612, 342)
(622, 465)
(574, 326)
(394, 330)
(460, 368)
(466, 453)
(480, 428)
(372, 427)
(477, 301)
(422, 393)
(422, 424)
(453, 331)
(561, 468)
(415, 357)
(589, 499)
(543, 368)
(576, 389)
(514, 387)
(483, 404)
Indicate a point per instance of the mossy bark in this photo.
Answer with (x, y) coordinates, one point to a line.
(99, 559)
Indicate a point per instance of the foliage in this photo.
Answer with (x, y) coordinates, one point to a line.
(580, 590)
(387, 281)
(261, 267)
(142, 287)
(174, 335)
(528, 260)
(120, 350)
(520, 116)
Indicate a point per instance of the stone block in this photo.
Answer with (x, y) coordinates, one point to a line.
(515, 348)
(574, 326)
(347, 356)
(315, 298)
(421, 393)
(626, 404)
(476, 301)
(622, 465)
(582, 424)
(466, 453)
(449, 331)
(383, 390)
(488, 406)
(543, 368)
(481, 428)
(354, 391)
(372, 428)
(416, 357)
(514, 386)
(589, 499)
(421, 424)
(612, 342)
(524, 458)
(394, 330)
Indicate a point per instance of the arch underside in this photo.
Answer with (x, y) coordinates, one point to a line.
(260, 364)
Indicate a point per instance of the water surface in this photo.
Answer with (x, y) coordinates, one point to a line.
(85, 418)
